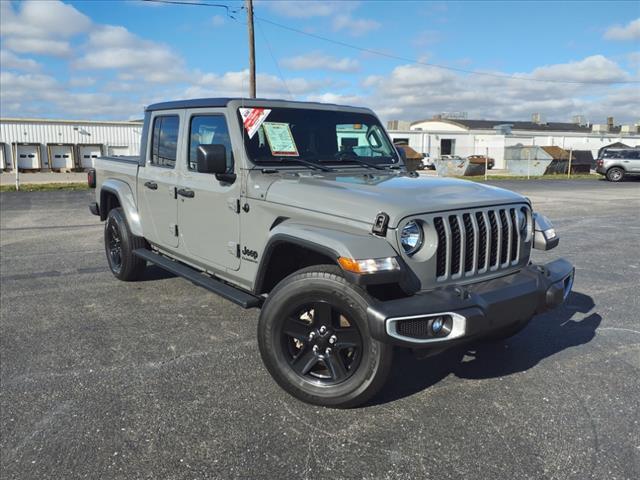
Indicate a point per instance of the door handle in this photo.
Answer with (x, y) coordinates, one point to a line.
(151, 185)
(185, 192)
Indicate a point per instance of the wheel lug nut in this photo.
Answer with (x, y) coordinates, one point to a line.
(323, 329)
(328, 351)
(312, 335)
(315, 349)
(333, 339)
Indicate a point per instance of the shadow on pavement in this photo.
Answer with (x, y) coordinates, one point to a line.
(545, 336)
(153, 272)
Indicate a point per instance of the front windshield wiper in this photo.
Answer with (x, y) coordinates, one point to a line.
(308, 163)
(341, 156)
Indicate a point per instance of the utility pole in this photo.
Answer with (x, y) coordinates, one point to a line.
(252, 51)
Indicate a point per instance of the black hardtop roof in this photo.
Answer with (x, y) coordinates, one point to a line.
(224, 101)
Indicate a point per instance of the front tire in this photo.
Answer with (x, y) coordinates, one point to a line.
(615, 174)
(119, 244)
(314, 339)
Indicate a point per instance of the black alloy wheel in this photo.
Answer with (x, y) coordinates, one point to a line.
(321, 344)
(114, 247)
(315, 341)
(119, 245)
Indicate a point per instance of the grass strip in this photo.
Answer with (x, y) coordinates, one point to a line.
(44, 187)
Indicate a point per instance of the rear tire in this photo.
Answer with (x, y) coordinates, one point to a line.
(119, 244)
(615, 174)
(314, 339)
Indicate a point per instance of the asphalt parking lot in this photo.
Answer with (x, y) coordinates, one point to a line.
(161, 379)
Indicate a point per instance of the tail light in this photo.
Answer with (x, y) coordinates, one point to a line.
(91, 178)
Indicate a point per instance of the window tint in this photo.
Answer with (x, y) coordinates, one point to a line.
(209, 130)
(164, 143)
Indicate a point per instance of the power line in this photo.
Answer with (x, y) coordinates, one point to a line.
(229, 9)
(274, 60)
(434, 65)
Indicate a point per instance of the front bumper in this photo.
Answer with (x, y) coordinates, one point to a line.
(472, 311)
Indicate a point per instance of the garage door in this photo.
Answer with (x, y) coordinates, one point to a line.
(3, 159)
(28, 157)
(88, 155)
(61, 157)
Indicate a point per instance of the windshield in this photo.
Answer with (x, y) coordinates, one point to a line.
(298, 135)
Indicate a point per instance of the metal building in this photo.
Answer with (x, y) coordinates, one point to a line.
(63, 145)
(438, 137)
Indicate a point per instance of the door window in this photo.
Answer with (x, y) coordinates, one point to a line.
(209, 130)
(164, 142)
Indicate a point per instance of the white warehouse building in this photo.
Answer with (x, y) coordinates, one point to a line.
(64, 145)
(462, 137)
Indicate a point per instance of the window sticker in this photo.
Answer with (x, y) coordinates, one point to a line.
(252, 118)
(280, 139)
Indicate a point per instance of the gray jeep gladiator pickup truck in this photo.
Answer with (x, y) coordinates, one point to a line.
(307, 211)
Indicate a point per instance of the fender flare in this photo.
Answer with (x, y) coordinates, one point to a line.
(334, 244)
(127, 201)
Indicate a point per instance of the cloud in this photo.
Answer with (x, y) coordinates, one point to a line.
(10, 61)
(427, 38)
(317, 60)
(41, 27)
(629, 32)
(217, 20)
(309, 8)
(337, 98)
(237, 84)
(356, 27)
(340, 13)
(596, 68)
(411, 92)
(115, 48)
(39, 95)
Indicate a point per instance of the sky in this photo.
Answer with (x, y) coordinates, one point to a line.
(502, 60)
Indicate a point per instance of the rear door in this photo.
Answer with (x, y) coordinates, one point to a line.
(208, 209)
(157, 180)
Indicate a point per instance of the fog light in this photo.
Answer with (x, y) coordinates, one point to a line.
(437, 325)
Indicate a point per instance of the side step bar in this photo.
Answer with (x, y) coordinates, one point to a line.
(244, 299)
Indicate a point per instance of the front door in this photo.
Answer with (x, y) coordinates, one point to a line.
(208, 208)
(157, 181)
(632, 161)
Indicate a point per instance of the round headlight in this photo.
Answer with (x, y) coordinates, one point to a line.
(411, 237)
(521, 219)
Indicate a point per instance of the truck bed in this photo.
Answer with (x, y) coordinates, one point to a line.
(123, 169)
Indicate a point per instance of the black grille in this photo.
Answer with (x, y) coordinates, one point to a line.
(415, 328)
(515, 236)
(442, 247)
(469, 243)
(455, 244)
(505, 237)
(482, 243)
(494, 238)
(473, 242)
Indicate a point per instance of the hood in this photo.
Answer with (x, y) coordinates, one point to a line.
(362, 196)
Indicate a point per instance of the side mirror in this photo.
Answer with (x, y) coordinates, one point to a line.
(213, 159)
